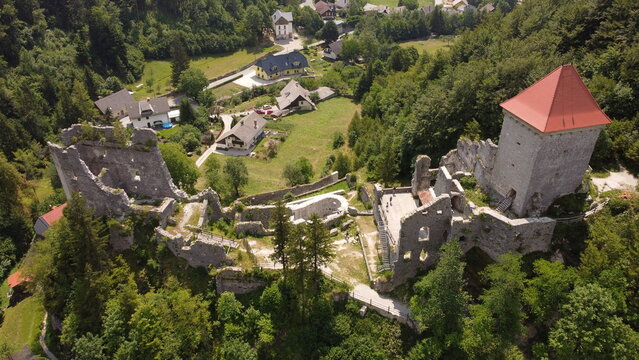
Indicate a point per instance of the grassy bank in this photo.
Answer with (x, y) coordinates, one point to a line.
(430, 46)
(311, 136)
(156, 79)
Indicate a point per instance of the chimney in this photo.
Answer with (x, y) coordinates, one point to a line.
(148, 99)
(242, 122)
(255, 124)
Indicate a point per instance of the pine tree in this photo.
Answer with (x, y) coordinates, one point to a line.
(319, 251)
(281, 225)
(179, 59)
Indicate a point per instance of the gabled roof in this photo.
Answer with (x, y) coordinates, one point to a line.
(54, 215)
(247, 128)
(116, 102)
(154, 106)
(277, 63)
(336, 47)
(16, 279)
(291, 92)
(487, 8)
(559, 101)
(288, 16)
(322, 7)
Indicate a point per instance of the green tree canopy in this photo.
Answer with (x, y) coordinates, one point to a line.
(237, 173)
(192, 82)
(182, 169)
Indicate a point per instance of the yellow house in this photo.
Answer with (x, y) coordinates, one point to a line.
(272, 67)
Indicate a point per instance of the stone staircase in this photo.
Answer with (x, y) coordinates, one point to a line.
(506, 202)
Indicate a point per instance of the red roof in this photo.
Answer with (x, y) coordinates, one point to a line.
(16, 279)
(54, 215)
(559, 101)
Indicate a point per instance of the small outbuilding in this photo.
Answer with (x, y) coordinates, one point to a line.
(45, 221)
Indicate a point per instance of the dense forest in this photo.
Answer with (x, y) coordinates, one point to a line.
(57, 56)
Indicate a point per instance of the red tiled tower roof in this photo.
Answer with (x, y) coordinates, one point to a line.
(54, 215)
(559, 101)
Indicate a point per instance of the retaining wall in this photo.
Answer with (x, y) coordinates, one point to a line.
(297, 191)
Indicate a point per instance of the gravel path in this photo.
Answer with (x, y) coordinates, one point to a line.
(620, 180)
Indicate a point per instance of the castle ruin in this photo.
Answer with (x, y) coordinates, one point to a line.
(547, 138)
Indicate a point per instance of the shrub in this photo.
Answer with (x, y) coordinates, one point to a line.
(338, 140)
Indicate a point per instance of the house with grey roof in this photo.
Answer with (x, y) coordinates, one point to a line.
(115, 103)
(333, 50)
(274, 66)
(245, 135)
(294, 97)
(282, 24)
(149, 113)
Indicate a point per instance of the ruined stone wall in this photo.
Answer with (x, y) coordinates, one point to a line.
(254, 228)
(496, 234)
(421, 174)
(232, 279)
(136, 167)
(422, 234)
(76, 177)
(476, 157)
(197, 253)
(297, 191)
(106, 172)
(261, 213)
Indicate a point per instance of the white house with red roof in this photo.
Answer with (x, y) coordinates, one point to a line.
(45, 221)
(547, 138)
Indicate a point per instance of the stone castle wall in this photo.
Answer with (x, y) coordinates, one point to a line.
(297, 191)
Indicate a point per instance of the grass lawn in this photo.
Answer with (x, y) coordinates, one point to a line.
(311, 136)
(430, 46)
(156, 78)
(395, 2)
(253, 103)
(21, 325)
(229, 89)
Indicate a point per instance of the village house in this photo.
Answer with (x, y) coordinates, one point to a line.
(487, 8)
(45, 221)
(115, 103)
(149, 113)
(283, 25)
(333, 50)
(17, 287)
(325, 10)
(294, 97)
(460, 5)
(272, 67)
(245, 135)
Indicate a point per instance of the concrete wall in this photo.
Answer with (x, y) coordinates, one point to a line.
(300, 190)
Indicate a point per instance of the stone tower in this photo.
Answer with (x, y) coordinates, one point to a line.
(547, 137)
